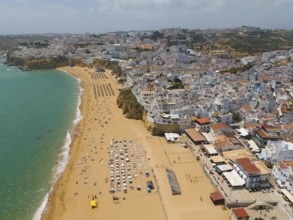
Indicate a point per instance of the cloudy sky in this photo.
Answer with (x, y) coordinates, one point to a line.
(98, 16)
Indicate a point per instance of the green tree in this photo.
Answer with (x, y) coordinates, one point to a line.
(156, 35)
(177, 80)
(236, 117)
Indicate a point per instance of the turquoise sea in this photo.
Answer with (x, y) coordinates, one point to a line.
(36, 110)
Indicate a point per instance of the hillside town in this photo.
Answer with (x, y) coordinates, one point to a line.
(234, 113)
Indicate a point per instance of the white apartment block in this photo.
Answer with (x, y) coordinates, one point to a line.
(277, 151)
(283, 175)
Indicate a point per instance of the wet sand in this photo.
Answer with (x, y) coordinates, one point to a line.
(87, 175)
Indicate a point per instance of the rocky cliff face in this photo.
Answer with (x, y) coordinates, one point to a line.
(160, 129)
(133, 110)
(14, 61)
(107, 64)
(129, 104)
(37, 64)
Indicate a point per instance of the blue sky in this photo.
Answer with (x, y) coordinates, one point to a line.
(98, 16)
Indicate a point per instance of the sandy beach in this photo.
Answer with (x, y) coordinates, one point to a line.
(109, 148)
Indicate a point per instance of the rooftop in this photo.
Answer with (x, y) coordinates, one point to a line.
(236, 154)
(262, 167)
(225, 167)
(234, 178)
(283, 165)
(246, 164)
(202, 120)
(240, 212)
(219, 126)
(281, 145)
(210, 149)
(262, 133)
(250, 125)
(195, 135)
(253, 146)
(215, 196)
(246, 107)
(217, 159)
(287, 126)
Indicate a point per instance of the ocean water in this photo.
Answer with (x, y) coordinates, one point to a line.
(37, 108)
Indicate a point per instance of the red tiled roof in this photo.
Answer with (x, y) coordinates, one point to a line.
(287, 126)
(215, 196)
(251, 125)
(262, 133)
(289, 163)
(246, 107)
(283, 165)
(240, 212)
(219, 126)
(283, 108)
(271, 127)
(246, 164)
(202, 120)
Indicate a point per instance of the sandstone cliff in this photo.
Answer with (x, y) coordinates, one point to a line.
(134, 110)
(37, 63)
(129, 104)
(107, 64)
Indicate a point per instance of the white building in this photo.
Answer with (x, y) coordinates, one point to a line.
(277, 150)
(248, 172)
(226, 118)
(283, 175)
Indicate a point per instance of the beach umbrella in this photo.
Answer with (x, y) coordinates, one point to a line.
(93, 204)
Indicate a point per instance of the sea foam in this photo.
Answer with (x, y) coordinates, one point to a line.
(63, 156)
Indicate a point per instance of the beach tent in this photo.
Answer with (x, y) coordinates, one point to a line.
(115, 199)
(93, 204)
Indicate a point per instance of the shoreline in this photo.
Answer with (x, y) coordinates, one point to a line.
(86, 175)
(64, 156)
(82, 109)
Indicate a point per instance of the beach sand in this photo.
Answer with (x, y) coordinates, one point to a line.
(87, 174)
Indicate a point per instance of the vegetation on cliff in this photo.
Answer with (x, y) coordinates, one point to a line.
(236, 42)
(129, 104)
(107, 64)
(257, 41)
(133, 110)
(79, 62)
(37, 64)
(241, 69)
(176, 84)
(48, 63)
(14, 61)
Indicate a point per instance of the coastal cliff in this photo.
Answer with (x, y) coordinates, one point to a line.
(160, 129)
(14, 61)
(134, 110)
(107, 64)
(129, 104)
(37, 63)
